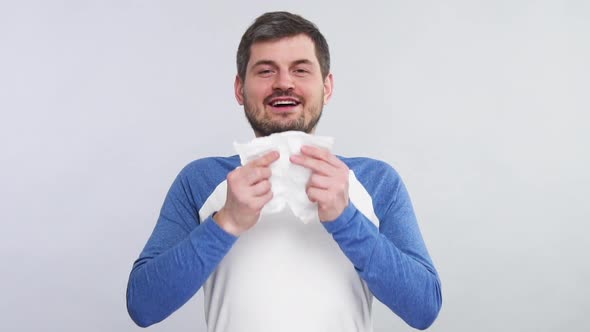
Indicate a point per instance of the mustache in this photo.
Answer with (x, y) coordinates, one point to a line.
(282, 93)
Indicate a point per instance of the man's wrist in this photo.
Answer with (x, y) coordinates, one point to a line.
(226, 223)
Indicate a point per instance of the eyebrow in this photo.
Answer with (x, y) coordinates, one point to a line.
(302, 62)
(274, 64)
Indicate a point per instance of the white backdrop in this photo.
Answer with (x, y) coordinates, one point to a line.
(482, 106)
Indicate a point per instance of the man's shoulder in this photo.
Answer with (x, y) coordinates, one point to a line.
(214, 162)
(210, 167)
(374, 174)
(366, 164)
(201, 176)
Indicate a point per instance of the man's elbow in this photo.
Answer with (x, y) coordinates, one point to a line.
(429, 312)
(139, 321)
(139, 317)
(136, 310)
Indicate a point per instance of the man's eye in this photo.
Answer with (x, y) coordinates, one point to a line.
(265, 72)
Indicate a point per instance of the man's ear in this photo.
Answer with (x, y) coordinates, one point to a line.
(328, 88)
(239, 90)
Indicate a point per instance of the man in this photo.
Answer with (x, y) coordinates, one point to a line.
(273, 273)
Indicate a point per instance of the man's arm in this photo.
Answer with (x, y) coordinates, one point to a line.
(177, 259)
(181, 254)
(393, 259)
(400, 277)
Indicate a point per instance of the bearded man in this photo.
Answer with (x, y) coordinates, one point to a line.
(270, 272)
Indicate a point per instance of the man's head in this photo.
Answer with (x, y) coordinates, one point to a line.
(283, 77)
(277, 25)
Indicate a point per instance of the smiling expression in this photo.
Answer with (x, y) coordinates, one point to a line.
(283, 88)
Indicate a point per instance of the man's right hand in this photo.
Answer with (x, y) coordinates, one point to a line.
(248, 190)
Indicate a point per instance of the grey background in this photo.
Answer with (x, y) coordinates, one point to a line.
(480, 105)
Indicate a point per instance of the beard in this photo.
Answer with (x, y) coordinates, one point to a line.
(263, 124)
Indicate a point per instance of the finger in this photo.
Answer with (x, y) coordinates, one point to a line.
(266, 159)
(316, 195)
(319, 181)
(261, 201)
(321, 153)
(316, 165)
(261, 188)
(256, 174)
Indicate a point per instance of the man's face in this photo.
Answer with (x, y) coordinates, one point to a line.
(283, 88)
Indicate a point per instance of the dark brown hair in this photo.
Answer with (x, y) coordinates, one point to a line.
(277, 25)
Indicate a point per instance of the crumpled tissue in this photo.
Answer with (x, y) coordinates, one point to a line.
(288, 181)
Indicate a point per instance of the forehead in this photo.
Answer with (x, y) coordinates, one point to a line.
(284, 50)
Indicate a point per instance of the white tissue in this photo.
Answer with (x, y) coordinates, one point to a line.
(288, 181)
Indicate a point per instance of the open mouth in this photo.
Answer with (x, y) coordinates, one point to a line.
(284, 103)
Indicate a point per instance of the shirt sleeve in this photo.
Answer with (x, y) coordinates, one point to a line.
(392, 259)
(178, 258)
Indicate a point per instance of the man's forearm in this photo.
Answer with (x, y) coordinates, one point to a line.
(404, 281)
(161, 282)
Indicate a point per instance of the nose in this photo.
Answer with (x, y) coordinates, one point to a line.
(283, 81)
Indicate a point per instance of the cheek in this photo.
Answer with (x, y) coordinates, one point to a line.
(257, 93)
(313, 93)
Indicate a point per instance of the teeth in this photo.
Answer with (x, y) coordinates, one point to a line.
(283, 102)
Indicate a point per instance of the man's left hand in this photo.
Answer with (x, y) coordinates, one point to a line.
(328, 184)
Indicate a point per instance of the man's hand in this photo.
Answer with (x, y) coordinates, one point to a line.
(328, 184)
(248, 190)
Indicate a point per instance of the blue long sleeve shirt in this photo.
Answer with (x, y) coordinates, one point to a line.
(262, 280)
